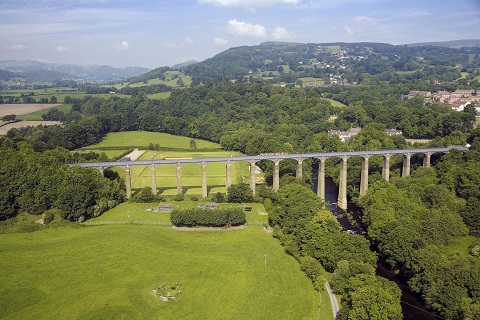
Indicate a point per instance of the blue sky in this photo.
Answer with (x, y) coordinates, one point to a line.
(154, 33)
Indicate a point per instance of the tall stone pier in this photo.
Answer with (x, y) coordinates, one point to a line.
(179, 179)
(154, 178)
(321, 179)
(252, 177)
(276, 175)
(204, 180)
(386, 167)
(342, 188)
(364, 177)
(406, 165)
(128, 182)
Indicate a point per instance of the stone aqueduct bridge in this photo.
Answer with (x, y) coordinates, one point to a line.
(276, 158)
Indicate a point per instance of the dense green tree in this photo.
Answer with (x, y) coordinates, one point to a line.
(145, 195)
(9, 118)
(239, 193)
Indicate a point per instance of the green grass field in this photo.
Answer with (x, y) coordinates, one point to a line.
(160, 96)
(311, 79)
(171, 78)
(166, 174)
(58, 93)
(144, 138)
(337, 103)
(37, 115)
(109, 272)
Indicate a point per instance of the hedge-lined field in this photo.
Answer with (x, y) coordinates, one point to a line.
(141, 213)
(109, 272)
(191, 173)
(144, 138)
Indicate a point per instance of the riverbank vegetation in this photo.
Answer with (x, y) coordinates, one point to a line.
(426, 228)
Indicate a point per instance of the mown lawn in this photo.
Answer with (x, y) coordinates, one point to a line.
(144, 138)
(166, 174)
(109, 272)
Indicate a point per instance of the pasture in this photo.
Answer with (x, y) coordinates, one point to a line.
(37, 115)
(166, 174)
(143, 139)
(110, 271)
(59, 93)
(24, 108)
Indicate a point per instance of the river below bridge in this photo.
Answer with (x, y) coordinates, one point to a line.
(412, 305)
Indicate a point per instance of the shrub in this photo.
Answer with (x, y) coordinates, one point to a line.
(218, 197)
(239, 193)
(178, 197)
(50, 215)
(145, 195)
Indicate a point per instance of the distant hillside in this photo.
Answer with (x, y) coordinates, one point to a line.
(7, 75)
(336, 63)
(449, 44)
(157, 73)
(184, 64)
(68, 71)
(43, 75)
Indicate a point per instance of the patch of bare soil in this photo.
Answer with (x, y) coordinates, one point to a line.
(23, 108)
(4, 129)
(135, 154)
(208, 228)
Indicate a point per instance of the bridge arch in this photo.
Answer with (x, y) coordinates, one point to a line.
(276, 159)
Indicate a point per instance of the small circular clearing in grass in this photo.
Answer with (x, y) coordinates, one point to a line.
(167, 291)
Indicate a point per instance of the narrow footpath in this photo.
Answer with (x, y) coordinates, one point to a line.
(333, 300)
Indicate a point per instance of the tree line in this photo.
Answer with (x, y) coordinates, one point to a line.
(257, 118)
(37, 181)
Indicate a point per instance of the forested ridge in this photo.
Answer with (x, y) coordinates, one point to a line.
(354, 63)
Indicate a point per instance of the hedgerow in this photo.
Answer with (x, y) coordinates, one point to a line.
(208, 218)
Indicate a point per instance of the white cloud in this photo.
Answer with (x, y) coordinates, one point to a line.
(360, 24)
(248, 4)
(179, 45)
(61, 49)
(220, 41)
(15, 47)
(349, 30)
(364, 20)
(282, 33)
(243, 29)
(123, 46)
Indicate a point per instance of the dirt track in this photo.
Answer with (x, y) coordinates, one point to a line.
(135, 154)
